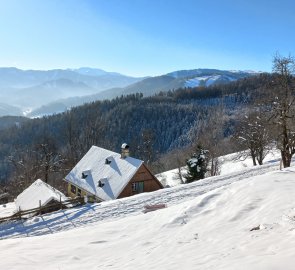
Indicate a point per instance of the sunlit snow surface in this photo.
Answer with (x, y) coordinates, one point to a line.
(206, 225)
(228, 164)
(207, 80)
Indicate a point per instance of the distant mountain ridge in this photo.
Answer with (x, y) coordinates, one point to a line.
(208, 72)
(207, 77)
(95, 78)
(6, 109)
(29, 89)
(53, 91)
(150, 86)
(94, 72)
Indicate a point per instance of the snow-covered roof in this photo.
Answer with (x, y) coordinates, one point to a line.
(105, 166)
(38, 191)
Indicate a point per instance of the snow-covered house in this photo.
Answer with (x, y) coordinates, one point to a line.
(38, 194)
(105, 175)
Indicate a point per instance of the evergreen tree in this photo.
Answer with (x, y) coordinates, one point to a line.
(197, 165)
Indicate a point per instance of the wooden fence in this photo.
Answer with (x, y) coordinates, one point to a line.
(22, 214)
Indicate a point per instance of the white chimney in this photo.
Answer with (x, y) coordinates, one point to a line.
(124, 150)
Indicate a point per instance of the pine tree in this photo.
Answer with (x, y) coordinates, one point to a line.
(197, 165)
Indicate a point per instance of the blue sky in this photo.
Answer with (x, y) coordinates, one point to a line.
(145, 37)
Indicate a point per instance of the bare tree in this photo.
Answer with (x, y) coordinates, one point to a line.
(80, 134)
(211, 137)
(283, 110)
(146, 147)
(71, 134)
(49, 159)
(24, 170)
(253, 135)
(178, 158)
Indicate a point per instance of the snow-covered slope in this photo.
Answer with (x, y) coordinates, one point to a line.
(232, 163)
(241, 220)
(208, 80)
(207, 77)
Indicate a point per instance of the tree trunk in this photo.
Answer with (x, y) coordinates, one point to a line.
(180, 175)
(260, 158)
(285, 153)
(253, 158)
(286, 158)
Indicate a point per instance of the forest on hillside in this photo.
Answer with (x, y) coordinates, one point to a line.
(162, 130)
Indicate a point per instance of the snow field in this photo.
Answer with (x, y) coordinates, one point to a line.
(209, 231)
(242, 220)
(110, 210)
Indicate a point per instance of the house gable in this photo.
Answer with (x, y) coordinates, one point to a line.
(142, 181)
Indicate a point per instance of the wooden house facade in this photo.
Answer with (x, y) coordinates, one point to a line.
(105, 175)
(142, 181)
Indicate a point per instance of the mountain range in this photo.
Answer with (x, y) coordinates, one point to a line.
(35, 93)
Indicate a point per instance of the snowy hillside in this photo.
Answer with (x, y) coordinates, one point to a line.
(241, 220)
(231, 163)
(208, 80)
(207, 77)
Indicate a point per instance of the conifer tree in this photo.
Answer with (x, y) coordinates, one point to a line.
(197, 165)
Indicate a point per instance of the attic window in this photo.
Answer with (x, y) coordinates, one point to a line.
(100, 184)
(84, 175)
(108, 161)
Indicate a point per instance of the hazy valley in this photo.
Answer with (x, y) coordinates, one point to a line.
(35, 93)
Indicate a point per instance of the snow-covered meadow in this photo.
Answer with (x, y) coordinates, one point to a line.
(241, 220)
(231, 163)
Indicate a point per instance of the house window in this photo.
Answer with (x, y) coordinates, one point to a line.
(79, 192)
(137, 187)
(73, 189)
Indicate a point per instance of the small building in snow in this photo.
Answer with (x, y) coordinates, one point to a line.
(38, 194)
(103, 175)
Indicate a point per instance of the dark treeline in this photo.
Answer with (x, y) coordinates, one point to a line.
(49, 147)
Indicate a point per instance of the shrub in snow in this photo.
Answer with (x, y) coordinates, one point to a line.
(197, 165)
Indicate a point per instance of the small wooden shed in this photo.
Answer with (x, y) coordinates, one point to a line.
(38, 194)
